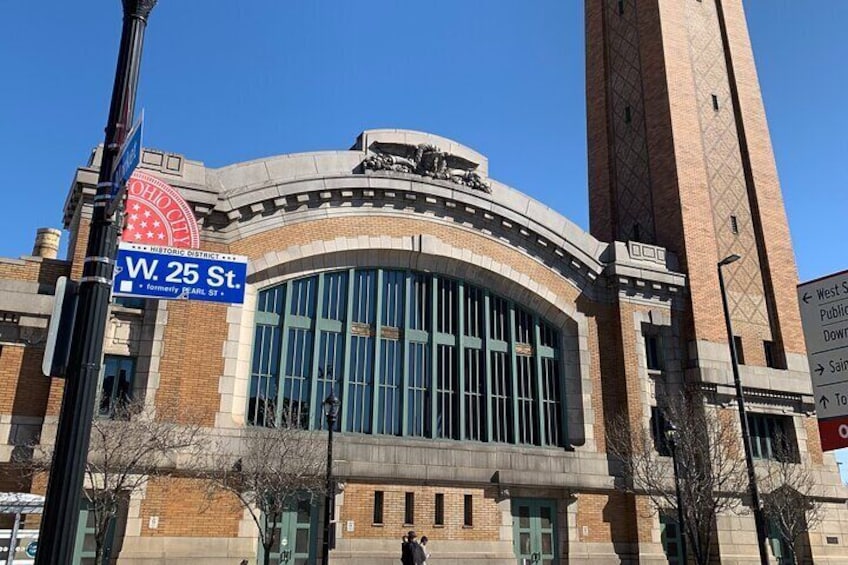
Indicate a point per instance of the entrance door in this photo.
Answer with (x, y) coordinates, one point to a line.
(534, 531)
(295, 542)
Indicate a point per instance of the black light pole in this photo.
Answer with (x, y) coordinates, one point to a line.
(671, 435)
(61, 509)
(759, 519)
(331, 410)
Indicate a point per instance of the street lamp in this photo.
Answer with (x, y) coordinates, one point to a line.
(759, 519)
(331, 411)
(671, 436)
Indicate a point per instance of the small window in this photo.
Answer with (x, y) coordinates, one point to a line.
(671, 538)
(378, 507)
(734, 224)
(772, 437)
(117, 386)
(620, 7)
(740, 352)
(129, 302)
(636, 233)
(771, 354)
(409, 508)
(652, 352)
(715, 102)
(627, 115)
(439, 511)
(659, 425)
(468, 511)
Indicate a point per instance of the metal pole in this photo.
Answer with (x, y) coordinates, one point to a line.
(61, 510)
(330, 498)
(680, 523)
(759, 520)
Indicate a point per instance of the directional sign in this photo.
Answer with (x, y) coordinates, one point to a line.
(824, 316)
(128, 158)
(172, 273)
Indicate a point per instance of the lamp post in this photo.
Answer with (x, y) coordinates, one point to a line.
(672, 435)
(64, 488)
(331, 410)
(759, 519)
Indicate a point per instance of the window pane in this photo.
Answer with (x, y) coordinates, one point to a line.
(296, 385)
(447, 409)
(439, 511)
(418, 373)
(303, 297)
(552, 410)
(527, 420)
(334, 303)
(263, 382)
(446, 306)
(329, 370)
(475, 400)
(409, 508)
(360, 386)
(393, 290)
(473, 311)
(501, 398)
(116, 387)
(419, 302)
(378, 507)
(388, 407)
(364, 292)
(498, 318)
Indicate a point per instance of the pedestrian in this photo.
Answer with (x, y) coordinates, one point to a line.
(424, 541)
(407, 549)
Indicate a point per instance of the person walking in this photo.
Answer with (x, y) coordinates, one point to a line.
(424, 541)
(411, 552)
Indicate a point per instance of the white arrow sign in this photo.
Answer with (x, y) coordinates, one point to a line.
(824, 316)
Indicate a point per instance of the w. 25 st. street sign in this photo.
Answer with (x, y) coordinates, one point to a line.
(172, 273)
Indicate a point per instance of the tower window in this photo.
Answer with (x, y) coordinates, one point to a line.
(636, 233)
(409, 508)
(740, 354)
(715, 102)
(771, 354)
(627, 115)
(734, 224)
(620, 7)
(652, 352)
(439, 519)
(378, 507)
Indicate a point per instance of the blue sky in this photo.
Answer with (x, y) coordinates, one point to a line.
(224, 82)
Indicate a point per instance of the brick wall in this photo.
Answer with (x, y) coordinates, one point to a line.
(359, 507)
(186, 509)
(23, 389)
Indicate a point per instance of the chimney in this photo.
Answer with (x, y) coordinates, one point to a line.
(47, 243)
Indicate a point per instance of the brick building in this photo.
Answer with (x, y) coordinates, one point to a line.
(481, 343)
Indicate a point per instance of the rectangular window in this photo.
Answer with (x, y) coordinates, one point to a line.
(468, 511)
(715, 103)
(378, 507)
(771, 354)
(652, 352)
(772, 437)
(734, 224)
(740, 353)
(439, 513)
(620, 7)
(670, 537)
(409, 508)
(117, 385)
(628, 117)
(659, 426)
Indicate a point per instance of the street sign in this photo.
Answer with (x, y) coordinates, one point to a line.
(172, 273)
(824, 316)
(128, 158)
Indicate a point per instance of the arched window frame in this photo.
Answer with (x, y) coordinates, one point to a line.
(378, 334)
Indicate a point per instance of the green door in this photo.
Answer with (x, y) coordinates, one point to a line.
(295, 540)
(670, 536)
(534, 531)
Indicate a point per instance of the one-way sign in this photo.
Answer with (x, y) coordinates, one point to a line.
(824, 316)
(174, 273)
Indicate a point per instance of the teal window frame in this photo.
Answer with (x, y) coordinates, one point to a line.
(111, 392)
(408, 354)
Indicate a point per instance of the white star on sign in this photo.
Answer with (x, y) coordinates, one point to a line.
(138, 236)
(161, 235)
(149, 234)
(156, 224)
(144, 224)
(147, 213)
(136, 207)
(133, 217)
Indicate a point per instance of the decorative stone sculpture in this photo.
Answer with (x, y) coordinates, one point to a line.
(425, 160)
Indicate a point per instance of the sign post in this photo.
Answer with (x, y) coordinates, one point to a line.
(824, 316)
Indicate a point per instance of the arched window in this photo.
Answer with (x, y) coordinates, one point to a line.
(409, 354)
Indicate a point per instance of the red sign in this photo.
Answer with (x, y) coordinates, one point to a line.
(834, 433)
(158, 215)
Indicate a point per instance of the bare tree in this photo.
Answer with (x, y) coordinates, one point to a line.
(789, 502)
(136, 443)
(711, 470)
(269, 472)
